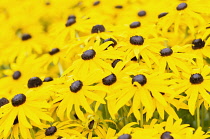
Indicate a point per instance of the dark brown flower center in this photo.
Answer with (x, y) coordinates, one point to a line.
(125, 136)
(48, 79)
(76, 86)
(166, 52)
(141, 79)
(109, 80)
(162, 14)
(96, 3)
(89, 54)
(34, 82)
(142, 13)
(70, 22)
(136, 40)
(54, 51)
(3, 101)
(119, 7)
(166, 135)
(16, 75)
(198, 44)
(26, 37)
(181, 6)
(98, 29)
(18, 100)
(50, 131)
(135, 24)
(196, 78)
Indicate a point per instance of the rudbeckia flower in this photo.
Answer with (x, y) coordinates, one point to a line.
(176, 130)
(138, 45)
(93, 58)
(183, 15)
(175, 59)
(27, 43)
(195, 84)
(29, 110)
(17, 128)
(70, 28)
(142, 87)
(200, 48)
(17, 77)
(75, 91)
(58, 130)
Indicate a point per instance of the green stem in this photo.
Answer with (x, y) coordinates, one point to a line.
(32, 133)
(142, 116)
(208, 115)
(202, 115)
(106, 112)
(125, 114)
(198, 116)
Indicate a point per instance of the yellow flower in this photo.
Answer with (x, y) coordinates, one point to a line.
(183, 15)
(28, 108)
(140, 45)
(195, 84)
(176, 130)
(17, 77)
(200, 48)
(93, 59)
(173, 59)
(142, 87)
(57, 130)
(76, 91)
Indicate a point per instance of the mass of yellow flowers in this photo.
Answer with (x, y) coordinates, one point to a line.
(104, 69)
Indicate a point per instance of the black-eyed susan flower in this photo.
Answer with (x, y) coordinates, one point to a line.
(139, 45)
(19, 74)
(142, 87)
(195, 85)
(93, 58)
(200, 48)
(181, 16)
(58, 130)
(74, 93)
(174, 59)
(29, 110)
(176, 130)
